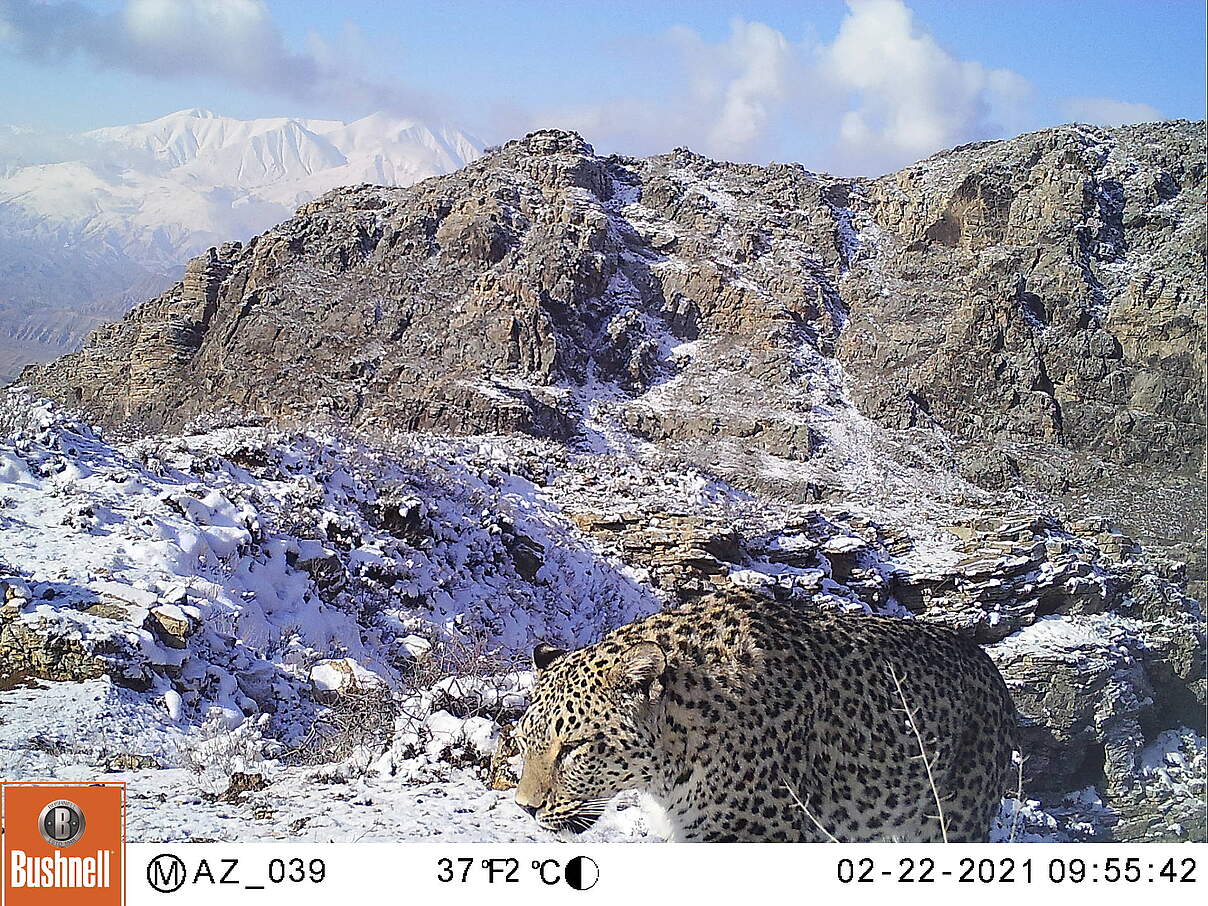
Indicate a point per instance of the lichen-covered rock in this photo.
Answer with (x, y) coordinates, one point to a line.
(1044, 288)
(130, 761)
(334, 676)
(173, 624)
(1088, 694)
(47, 649)
(503, 770)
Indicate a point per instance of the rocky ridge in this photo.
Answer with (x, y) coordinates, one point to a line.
(1039, 289)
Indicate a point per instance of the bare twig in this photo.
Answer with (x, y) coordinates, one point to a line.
(831, 838)
(214, 754)
(1017, 757)
(927, 761)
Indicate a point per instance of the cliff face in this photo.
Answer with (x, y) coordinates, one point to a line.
(473, 302)
(1038, 299)
(1048, 287)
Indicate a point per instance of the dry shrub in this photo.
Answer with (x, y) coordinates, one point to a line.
(459, 675)
(215, 753)
(356, 719)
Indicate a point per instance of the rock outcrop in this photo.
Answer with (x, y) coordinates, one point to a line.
(1045, 288)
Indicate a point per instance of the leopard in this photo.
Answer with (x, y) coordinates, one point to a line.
(753, 720)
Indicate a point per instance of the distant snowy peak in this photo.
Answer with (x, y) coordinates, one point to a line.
(125, 183)
(189, 136)
(96, 218)
(252, 153)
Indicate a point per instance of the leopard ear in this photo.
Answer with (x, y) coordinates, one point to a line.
(640, 667)
(544, 655)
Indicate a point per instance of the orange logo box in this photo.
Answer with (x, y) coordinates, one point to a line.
(63, 843)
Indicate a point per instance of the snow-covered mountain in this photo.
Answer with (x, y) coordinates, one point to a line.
(92, 222)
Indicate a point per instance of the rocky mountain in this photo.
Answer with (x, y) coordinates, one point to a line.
(91, 223)
(968, 392)
(1037, 300)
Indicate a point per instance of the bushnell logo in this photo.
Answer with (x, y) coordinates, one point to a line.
(61, 823)
(53, 854)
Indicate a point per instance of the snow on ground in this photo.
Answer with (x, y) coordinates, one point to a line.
(50, 728)
(321, 808)
(1177, 760)
(243, 585)
(1069, 637)
(300, 543)
(78, 731)
(234, 580)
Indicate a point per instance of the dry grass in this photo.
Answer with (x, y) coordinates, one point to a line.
(485, 674)
(1018, 758)
(357, 723)
(215, 754)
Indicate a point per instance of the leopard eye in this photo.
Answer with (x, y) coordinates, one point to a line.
(572, 746)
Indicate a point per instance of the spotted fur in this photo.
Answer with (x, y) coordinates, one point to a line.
(751, 720)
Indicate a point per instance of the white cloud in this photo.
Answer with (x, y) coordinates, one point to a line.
(911, 97)
(231, 37)
(1109, 112)
(759, 58)
(725, 98)
(881, 94)
(236, 41)
(720, 97)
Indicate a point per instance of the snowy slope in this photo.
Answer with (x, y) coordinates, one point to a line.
(296, 546)
(283, 560)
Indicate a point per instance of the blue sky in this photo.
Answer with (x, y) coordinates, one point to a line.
(856, 87)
